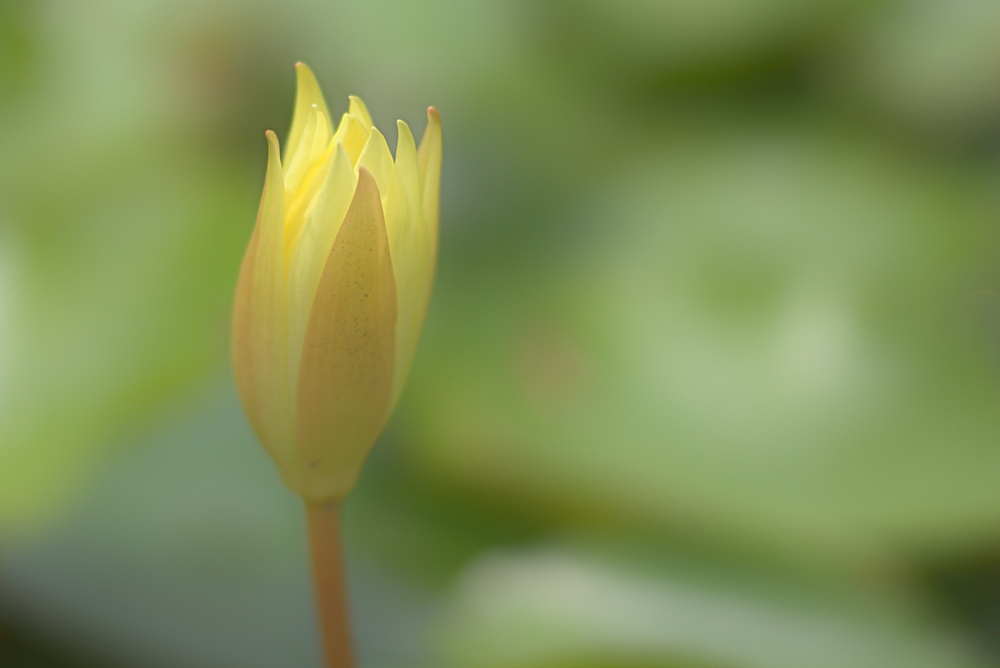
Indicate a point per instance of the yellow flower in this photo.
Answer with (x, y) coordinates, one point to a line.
(334, 287)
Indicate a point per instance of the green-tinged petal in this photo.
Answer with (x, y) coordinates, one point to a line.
(347, 360)
(360, 111)
(416, 246)
(313, 248)
(407, 168)
(429, 165)
(269, 320)
(353, 134)
(307, 94)
(407, 244)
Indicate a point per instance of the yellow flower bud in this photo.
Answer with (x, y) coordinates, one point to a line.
(334, 287)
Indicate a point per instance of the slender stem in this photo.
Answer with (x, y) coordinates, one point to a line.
(331, 590)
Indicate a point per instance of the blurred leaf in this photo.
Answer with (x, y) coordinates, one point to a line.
(121, 238)
(637, 39)
(188, 550)
(932, 64)
(762, 337)
(558, 607)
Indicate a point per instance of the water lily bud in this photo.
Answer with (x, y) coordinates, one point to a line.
(334, 287)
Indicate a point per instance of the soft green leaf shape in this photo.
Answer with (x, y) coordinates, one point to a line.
(768, 339)
(564, 607)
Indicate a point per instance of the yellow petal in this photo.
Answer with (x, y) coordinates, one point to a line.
(307, 94)
(297, 161)
(313, 248)
(269, 321)
(378, 160)
(347, 361)
(353, 135)
(322, 138)
(305, 197)
(360, 111)
(429, 165)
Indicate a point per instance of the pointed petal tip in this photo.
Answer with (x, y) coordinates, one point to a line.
(367, 180)
(303, 71)
(358, 109)
(359, 120)
(432, 112)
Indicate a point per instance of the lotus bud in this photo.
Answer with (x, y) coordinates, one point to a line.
(333, 288)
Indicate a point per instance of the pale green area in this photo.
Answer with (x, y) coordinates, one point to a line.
(711, 377)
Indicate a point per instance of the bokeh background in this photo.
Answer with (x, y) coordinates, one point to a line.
(711, 376)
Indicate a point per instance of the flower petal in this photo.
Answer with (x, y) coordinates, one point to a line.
(348, 355)
(360, 111)
(378, 160)
(297, 161)
(269, 319)
(307, 94)
(353, 135)
(305, 197)
(312, 249)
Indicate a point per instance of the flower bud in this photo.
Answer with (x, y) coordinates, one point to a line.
(333, 288)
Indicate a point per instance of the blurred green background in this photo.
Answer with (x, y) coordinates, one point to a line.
(711, 376)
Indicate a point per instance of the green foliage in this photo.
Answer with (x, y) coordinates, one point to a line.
(714, 329)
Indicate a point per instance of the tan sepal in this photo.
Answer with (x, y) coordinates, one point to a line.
(348, 356)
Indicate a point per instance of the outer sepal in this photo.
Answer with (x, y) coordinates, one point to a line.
(260, 330)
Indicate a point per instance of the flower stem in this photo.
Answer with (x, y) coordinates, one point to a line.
(329, 581)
